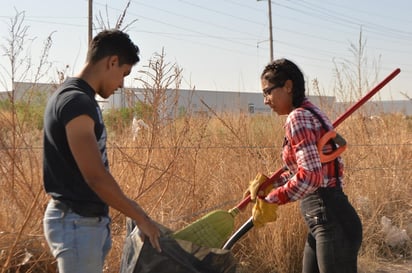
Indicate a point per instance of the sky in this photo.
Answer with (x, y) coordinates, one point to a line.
(223, 45)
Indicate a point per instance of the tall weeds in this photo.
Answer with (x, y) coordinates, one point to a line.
(20, 165)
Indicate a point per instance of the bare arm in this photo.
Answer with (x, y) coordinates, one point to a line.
(83, 145)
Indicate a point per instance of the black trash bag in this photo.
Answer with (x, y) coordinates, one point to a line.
(177, 256)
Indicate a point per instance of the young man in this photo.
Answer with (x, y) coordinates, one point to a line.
(76, 169)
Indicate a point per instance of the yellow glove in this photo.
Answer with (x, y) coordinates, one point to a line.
(254, 186)
(264, 212)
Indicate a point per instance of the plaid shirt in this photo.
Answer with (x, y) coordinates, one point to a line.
(300, 154)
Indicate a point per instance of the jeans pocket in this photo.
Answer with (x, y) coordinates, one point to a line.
(314, 211)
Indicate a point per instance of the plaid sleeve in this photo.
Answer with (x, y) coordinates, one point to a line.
(301, 155)
(284, 177)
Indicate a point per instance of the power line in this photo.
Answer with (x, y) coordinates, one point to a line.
(235, 37)
(243, 19)
(197, 20)
(204, 34)
(363, 22)
(317, 12)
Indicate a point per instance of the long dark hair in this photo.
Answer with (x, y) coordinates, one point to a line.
(279, 71)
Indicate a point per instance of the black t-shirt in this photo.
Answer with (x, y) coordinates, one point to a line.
(62, 177)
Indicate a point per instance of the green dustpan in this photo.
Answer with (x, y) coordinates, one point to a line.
(212, 230)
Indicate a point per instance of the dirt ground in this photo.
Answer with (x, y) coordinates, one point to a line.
(403, 266)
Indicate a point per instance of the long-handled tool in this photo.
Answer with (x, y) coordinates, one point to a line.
(249, 223)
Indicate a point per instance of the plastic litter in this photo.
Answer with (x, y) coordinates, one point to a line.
(394, 236)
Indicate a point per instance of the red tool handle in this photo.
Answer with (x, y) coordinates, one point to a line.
(365, 98)
(338, 121)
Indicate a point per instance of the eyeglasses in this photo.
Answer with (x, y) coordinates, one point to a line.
(268, 91)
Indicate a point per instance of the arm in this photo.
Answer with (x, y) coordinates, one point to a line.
(301, 154)
(83, 145)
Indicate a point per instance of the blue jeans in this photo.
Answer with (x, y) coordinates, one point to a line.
(335, 233)
(80, 244)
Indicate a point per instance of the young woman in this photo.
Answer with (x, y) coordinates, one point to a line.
(335, 230)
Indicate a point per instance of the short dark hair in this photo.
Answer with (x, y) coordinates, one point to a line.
(113, 42)
(279, 71)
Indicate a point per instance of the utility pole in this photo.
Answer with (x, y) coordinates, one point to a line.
(270, 29)
(90, 21)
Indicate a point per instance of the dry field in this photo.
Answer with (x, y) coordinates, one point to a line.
(179, 170)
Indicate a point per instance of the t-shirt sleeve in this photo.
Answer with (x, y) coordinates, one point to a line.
(74, 105)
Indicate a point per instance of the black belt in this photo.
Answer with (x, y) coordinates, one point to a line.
(86, 210)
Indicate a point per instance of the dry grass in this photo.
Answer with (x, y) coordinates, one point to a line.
(180, 170)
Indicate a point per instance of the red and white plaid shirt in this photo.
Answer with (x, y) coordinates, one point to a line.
(300, 154)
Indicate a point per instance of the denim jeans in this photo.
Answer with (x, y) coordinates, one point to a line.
(335, 233)
(80, 244)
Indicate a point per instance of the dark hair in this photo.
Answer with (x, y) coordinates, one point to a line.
(279, 71)
(113, 42)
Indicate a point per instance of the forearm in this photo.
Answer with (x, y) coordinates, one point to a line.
(299, 185)
(284, 177)
(110, 192)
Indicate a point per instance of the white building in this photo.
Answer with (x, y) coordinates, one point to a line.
(203, 101)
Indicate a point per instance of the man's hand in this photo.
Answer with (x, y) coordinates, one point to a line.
(149, 228)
